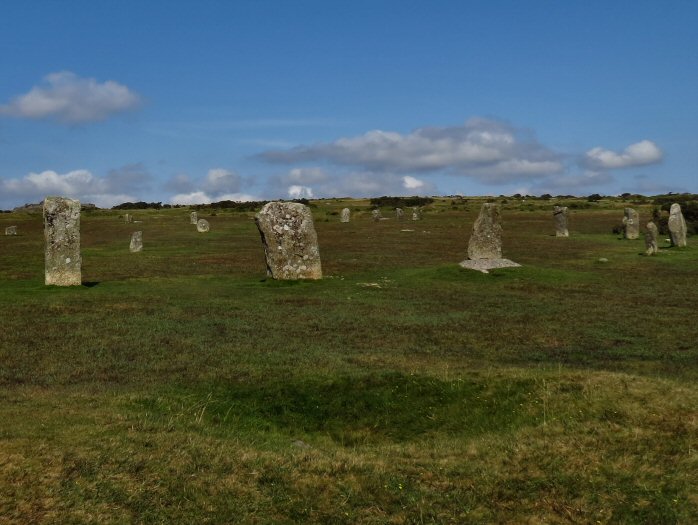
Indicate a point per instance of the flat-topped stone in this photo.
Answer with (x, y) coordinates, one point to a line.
(62, 234)
(290, 241)
(560, 220)
(345, 215)
(631, 224)
(193, 217)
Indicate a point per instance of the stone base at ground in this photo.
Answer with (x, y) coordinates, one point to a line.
(485, 265)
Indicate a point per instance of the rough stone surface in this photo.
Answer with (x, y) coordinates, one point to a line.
(486, 239)
(651, 236)
(11, 230)
(290, 242)
(128, 217)
(136, 242)
(415, 214)
(345, 215)
(560, 220)
(677, 226)
(399, 214)
(376, 214)
(62, 234)
(485, 265)
(631, 224)
(193, 218)
(202, 226)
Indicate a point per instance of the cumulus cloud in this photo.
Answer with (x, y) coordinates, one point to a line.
(485, 149)
(200, 197)
(219, 180)
(115, 188)
(219, 184)
(296, 191)
(639, 154)
(67, 98)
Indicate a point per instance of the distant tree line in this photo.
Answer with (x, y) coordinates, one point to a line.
(397, 202)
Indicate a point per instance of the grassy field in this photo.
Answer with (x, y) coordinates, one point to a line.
(180, 385)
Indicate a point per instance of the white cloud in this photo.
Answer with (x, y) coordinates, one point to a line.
(219, 184)
(412, 183)
(219, 180)
(639, 154)
(195, 197)
(115, 188)
(297, 191)
(306, 176)
(67, 98)
(485, 149)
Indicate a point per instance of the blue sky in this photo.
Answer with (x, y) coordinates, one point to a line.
(200, 101)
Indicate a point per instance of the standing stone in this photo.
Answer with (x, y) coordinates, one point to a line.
(193, 218)
(399, 214)
(202, 226)
(11, 230)
(346, 214)
(677, 226)
(631, 224)
(290, 242)
(485, 246)
(62, 234)
(376, 214)
(136, 242)
(651, 236)
(128, 217)
(560, 220)
(486, 239)
(415, 214)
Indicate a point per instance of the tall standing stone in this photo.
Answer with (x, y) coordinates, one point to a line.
(560, 220)
(485, 245)
(345, 215)
(631, 224)
(202, 226)
(376, 214)
(415, 214)
(128, 218)
(11, 230)
(677, 226)
(62, 234)
(486, 239)
(136, 242)
(651, 236)
(193, 217)
(290, 242)
(399, 214)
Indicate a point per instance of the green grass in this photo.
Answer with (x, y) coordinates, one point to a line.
(183, 386)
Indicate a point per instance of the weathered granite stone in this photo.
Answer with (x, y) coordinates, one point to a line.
(346, 215)
(631, 224)
(202, 226)
(376, 214)
(485, 265)
(415, 214)
(651, 236)
(290, 242)
(128, 217)
(486, 239)
(193, 217)
(62, 234)
(560, 220)
(677, 226)
(399, 214)
(11, 230)
(136, 242)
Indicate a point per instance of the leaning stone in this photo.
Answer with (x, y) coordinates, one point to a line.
(193, 218)
(486, 239)
(651, 236)
(376, 214)
(560, 220)
(415, 214)
(346, 215)
(399, 214)
(11, 230)
(136, 242)
(290, 241)
(202, 226)
(631, 224)
(62, 234)
(485, 265)
(677, 226)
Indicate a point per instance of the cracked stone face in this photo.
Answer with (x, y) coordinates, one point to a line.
(62, 234)
(677, 226)
(136, 242)
(486, 239)
(290, 241)
(631, 224)
(560, 220)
